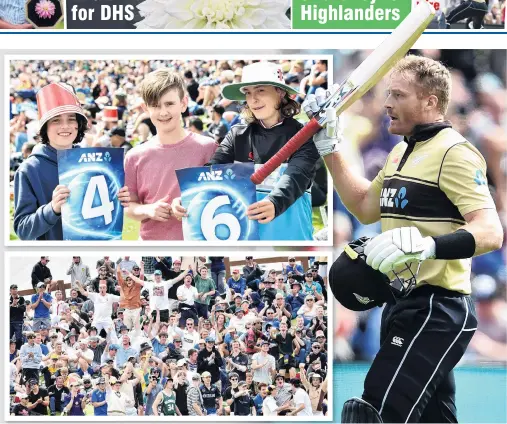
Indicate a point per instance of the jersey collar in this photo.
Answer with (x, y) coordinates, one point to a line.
(424, 132)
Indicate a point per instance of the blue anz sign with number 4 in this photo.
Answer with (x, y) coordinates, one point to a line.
(216, 199)
(94, 176)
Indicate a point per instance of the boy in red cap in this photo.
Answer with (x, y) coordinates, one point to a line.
(38, 198)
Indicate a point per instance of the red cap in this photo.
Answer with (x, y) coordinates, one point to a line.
(110, 114)
(56, 99)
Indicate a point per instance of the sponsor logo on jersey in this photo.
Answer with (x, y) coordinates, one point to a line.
(392, 197)
(397, 341)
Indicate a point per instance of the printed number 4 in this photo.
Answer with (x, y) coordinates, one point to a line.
(210, 222)
(106, 208)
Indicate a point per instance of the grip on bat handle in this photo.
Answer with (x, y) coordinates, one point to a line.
(300, 138)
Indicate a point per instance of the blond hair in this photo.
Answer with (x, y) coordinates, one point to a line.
(158, 83)
(287, 107)
(430, 76)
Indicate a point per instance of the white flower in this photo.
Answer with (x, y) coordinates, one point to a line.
(214, 14)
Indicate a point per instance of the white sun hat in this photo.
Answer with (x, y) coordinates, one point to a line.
(260, 73)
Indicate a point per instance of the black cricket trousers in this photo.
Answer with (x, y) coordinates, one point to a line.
(469, 9)
(423, 336)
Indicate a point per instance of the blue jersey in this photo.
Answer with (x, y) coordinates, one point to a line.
(99, 396)
(294, 224)
(41, 311)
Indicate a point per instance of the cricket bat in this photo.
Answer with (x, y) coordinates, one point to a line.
(364, 77)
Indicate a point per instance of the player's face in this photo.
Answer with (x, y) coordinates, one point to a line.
(62, 130)
(263, 101)
(166, 116)
(403, 105)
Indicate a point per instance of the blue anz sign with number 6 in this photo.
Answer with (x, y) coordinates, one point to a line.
(94, 176)
(216, 199)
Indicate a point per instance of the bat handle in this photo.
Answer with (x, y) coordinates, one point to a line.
(300, 138)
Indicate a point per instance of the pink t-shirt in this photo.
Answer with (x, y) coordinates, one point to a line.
(150, 174)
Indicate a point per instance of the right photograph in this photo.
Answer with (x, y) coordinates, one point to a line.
(419, 272)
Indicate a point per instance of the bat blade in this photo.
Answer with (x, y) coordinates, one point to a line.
(359, 82)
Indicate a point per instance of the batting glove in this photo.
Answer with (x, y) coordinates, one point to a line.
(398, 246)
(326, 140)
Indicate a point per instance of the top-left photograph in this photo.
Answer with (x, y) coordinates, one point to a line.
(32, 14)
(180, 151)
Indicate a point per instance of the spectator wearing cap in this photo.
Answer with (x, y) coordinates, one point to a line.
(211, 396)
(167, 400)
(205, 288)
(58, 307)
(321, 339)
(108, 263)
(31, 358)
(295, 268)
(209, 359)
(117, 401)
(17, 308)
(79, 271)
(301, 400)
(41, 273)
(236, 282)
(103, 305)
(103, 277)
(109, 354)
(311, 287)
(229, 393)
(263, 365)
(21, 407)
(316, 355)
(159, 291)
(56, 393)
(83, 358)
(50, 369)
(243, 402)
(41, 304)
(38, 399)
(153, 388)
(117, 138)
(316, 277)
(251, 271)
(236, 303)
(238, 321)
(98, 398)
(195, 403)
(268, 290)
(164, 264)
(130, 293)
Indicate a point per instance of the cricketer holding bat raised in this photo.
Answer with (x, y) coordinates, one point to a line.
(38, 197)
(436, 210)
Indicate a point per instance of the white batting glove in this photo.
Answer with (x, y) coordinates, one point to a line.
(398, 246)
(326, 140)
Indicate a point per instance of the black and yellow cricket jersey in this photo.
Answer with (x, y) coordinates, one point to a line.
(431, 181)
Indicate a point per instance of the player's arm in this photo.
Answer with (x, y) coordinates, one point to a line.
(359, 195)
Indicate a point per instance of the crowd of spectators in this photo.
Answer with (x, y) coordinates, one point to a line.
(478, 110)
(170, 336)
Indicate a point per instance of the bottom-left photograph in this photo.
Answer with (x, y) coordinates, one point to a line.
(106, 334)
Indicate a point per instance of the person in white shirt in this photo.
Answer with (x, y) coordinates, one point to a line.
(238, 321)
(117, 401)
(158, 293)
(263, 365)
(301, 399)
(58, 307)
(186, 295)
(190, 337)
(84, 356)
(269, 406)
(103, 305)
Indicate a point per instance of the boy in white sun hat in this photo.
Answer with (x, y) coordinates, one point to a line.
(269, 115)
(38, 197)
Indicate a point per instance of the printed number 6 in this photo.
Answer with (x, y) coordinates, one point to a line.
(210, 222)
(106, 207)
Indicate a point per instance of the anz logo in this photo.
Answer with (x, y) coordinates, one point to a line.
(393, 198)
(95, 157)
(218, 175)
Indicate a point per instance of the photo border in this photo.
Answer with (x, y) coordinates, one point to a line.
(228, 253)
(165, 243)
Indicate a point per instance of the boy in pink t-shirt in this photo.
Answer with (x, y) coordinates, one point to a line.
(150, 168)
